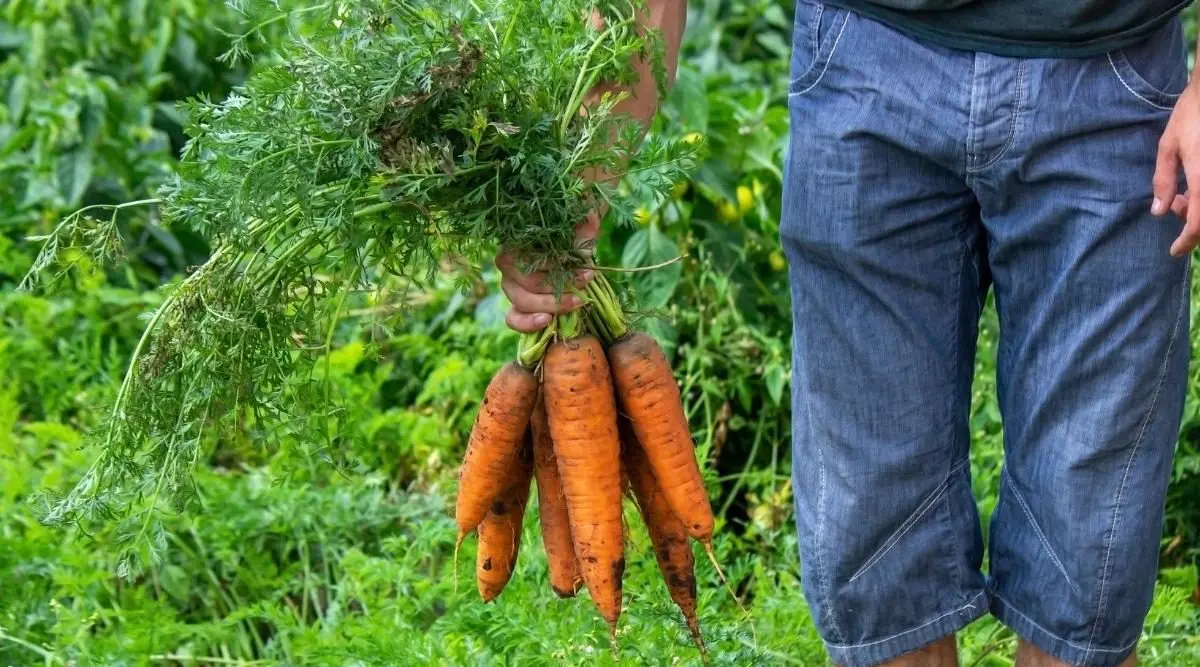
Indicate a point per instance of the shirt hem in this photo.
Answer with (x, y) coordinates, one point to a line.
(960, 41)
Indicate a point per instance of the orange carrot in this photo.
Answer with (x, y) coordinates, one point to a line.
(496, 436)
(668, 535)
(582, 414)
(500, 530)
(650, 397)
(565, 578)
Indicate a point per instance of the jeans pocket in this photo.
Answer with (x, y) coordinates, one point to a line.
(818, 29)
(1155, 69)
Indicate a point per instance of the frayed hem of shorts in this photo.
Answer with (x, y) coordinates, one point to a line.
(1053, 645)
(890, 648)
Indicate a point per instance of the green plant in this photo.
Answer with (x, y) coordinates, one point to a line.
(394, 135)
(333, 545)
(87, 114)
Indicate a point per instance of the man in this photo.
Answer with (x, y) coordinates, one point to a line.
(941, 148)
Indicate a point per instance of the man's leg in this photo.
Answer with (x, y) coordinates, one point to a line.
(1029, 655)
(1093, 354)
(942, 653)
(883, 243)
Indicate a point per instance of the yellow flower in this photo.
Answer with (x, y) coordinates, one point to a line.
(693, 138)
(642, 215)
(758, 188)
(680, 189)
(777, 261)
(728, 211)
(745, 199)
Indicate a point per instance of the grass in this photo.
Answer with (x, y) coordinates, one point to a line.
(341, 555)
(352, 565)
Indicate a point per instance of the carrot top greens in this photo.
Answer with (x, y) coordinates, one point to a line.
(386, 137)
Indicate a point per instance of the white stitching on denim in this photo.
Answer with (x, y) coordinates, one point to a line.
(969, 605)
(911, 521)
(828, 57)
(821, 573)
(1162, 376)
(1136, 94)
(1012, 130)
(1012, 485)
(973, 103)
(1011, 607)
(814, 29)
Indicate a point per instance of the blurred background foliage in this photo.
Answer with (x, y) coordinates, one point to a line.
(344, 555)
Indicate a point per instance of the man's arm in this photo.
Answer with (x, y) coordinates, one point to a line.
(1180, 146)
(668, 17)
(533, 300)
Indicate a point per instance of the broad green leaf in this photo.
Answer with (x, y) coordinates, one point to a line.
(11, 37)
(650, 247)
(17, 95)
(774, 43)
(662, 331)
(345, 358)
(18, 140)
(490, 310)
(689, 100)
(776, 379)
(74, 175)
(453, 305)
(54, 432)
(774, 15)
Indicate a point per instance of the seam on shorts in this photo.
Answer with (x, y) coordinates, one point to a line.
(972, 103)
(930, 501)
(1012, 486)
(968, 605)
(1112, 532)
(829, 57)
(1011, 607)
(814, 28)
(822, 574)
(1120, 77)
(1012, 131)
(955, 341)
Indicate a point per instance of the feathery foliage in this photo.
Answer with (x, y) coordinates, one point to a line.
(384, 138)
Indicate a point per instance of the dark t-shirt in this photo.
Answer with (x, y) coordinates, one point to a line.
(1027, 28)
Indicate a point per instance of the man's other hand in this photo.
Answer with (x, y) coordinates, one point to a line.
(1180, 146)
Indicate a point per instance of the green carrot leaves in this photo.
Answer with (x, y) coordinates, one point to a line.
(386, 137)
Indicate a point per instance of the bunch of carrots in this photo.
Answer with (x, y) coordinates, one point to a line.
(591, 411)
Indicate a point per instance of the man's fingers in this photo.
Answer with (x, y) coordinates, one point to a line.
(1187, 240)
(533, 302)
(587, 231)
(534, 299)
(1190, 235)
(526, 322)
(537, 282)
(1166, 174)
(534, 281)
(1180, 206)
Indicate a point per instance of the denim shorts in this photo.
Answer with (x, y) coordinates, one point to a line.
(918, 178)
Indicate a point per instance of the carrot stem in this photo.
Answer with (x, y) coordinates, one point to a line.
(569, 326)
(607, 308)
(532, 347)
(598, 326)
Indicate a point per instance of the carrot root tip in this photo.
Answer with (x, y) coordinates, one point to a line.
(457, 544)
(694, 628)
(708, 549)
